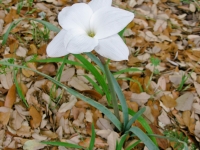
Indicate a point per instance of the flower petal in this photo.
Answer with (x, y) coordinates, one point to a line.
(56, 47)
(113, 48)
(96, 4)
(70, 34)
(81, 43)
(76, 16)
(108, 21)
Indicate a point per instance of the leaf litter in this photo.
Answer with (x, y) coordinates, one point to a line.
(170, 90)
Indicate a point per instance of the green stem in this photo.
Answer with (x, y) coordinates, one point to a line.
(111, 87)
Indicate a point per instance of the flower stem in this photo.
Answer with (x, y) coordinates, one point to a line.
(111, 87)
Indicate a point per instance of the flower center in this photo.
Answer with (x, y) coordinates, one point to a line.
(91, 34)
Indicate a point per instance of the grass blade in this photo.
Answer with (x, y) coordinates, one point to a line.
(92, 141)
(96, 60)
(133, 145)
(47, 24)
(122, 100)
(12, 25)
(121, 143)
(96, 74)
(144, 124)
(88, 100)
(135, 117)
(94, 84)
(127, 70)
(144, 138)
(19, 91)
(68, 145)
(48, 60)
(117, 88)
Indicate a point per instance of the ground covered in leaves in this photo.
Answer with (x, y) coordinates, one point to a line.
(164, 45)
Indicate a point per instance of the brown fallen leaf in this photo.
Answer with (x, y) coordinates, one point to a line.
(99, 143)
(162, 143)
(93, 94)
(42, 50)
(5, 113)
(186, 117)
(49, 69)
(11, 16)
(23, 88)
(29, 73)
(168, 101)
(36, 117)
(13, 44)
(134, 86)
(10, 97)
(33, 50)
(132, 105)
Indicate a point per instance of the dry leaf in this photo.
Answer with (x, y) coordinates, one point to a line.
(5, 115)
(162, 143)
(140, 99)
(168, 101)
(16, 120)
(49, 69)
(132, 105)
(78, 84)
(99, 143)
(186, 117)
(33, 145)
(112, 140)
(148, 114)
(67, 106)
(36, 117)
(197, 129)
(10, 97)
(21, 52)
(6, 80)
(164, 118)
(184, 102)
(88, 116)
(67, 74)
(104, 124)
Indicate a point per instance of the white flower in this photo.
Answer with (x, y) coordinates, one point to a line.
(92, 26)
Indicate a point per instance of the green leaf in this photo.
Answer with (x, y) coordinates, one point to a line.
(47, 24)
(117, 88)
(96, 60)
(144, 138)
(121, 143)
(68, 145)
(122, 100)
(12, 25)
(144, 123)
(94, 84)
(48, 60)
(92, 141)
(96, 74)
(133, 145)
(90, 101)
(19, 91)
(135, 117)
(127, 70)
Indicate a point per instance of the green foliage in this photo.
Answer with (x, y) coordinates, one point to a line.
(19, 91)
(68, 145)
(92, 141)
(155, 62)
(3, 68)
(181, 140)
(183, 81)
(20, 6)
(38, 34)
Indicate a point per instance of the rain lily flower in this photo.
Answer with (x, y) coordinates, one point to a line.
(92, 26)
